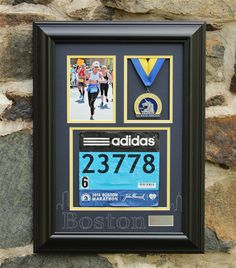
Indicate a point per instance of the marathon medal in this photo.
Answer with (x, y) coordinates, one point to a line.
(148, 105)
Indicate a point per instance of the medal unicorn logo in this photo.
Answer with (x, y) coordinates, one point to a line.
(148, 107)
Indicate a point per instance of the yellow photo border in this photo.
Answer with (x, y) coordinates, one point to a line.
(68, 58)
(72, 208)
(126, 120)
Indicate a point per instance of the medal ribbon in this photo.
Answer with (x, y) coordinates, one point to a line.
(148, 69)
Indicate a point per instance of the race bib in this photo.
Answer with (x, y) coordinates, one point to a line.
(93, 89)
(119, 169)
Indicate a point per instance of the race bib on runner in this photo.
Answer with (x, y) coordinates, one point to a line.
(93, 89)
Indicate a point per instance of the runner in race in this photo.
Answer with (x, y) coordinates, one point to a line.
(82, 81)
(105, 83)
(73, 76)
(94, 78)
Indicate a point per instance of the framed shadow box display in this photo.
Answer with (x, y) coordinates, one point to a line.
(119, 136)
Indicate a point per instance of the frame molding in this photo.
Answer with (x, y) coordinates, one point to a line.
(192, 36)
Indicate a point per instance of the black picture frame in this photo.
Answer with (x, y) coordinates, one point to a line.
(192, 36)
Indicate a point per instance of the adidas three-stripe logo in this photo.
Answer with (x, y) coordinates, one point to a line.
(96, 141)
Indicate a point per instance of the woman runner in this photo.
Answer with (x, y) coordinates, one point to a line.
(104, 84)
(94, 78)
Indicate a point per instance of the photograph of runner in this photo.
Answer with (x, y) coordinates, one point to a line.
(91, 89)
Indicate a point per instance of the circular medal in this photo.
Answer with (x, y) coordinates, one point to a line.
(147, 105)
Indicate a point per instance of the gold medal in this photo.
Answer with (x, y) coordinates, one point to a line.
(147, 105)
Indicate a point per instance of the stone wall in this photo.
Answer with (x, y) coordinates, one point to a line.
(16, 18)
